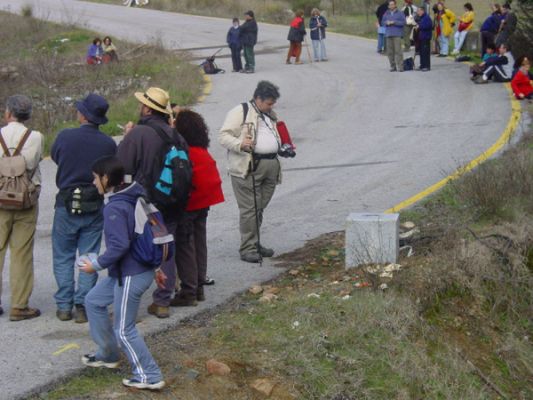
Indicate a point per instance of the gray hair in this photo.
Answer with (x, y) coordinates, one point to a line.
(266, 90)
(19, 106)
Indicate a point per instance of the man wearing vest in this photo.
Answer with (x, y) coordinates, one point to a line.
(253, 142)
(78, 220)
(17, 226)
(139, 151)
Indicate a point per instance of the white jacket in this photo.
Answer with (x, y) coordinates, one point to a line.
(233, 132)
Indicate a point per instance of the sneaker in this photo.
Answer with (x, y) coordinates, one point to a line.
(64, 315)
(20, 314)
(481, 81)
(183, 301)
(91, 361)
(424, 69)
(288, 62)
(393, 69)
(158, 311)
(251, 257)
(324, 59)
(81, 314)
(200, 294)
(209, 281)
(266, 252)
(139, 385)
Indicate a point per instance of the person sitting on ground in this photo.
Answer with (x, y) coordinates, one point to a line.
(490, 28)
(500, 68)
(125, 284)
(466, 22)
(522, 82)
(110, 51)
(95, 52)
(234, 42)
(477, 70)
(191, 257)
(296, 37)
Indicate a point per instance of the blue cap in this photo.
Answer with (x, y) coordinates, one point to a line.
(94, 108)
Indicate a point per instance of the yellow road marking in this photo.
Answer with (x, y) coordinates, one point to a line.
(502, 140)
(66, 347)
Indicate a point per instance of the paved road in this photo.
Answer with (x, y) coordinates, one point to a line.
(366, 140)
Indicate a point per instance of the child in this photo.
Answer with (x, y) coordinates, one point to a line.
(521, 83)
(127, 281)
(491, 52)
(234, 43)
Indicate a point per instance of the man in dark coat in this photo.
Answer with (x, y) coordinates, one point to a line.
(508, 25)
(248, 36)
(424, 31)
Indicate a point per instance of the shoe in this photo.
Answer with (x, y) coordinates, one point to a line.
(393, 69)
(209, 281)
(64, 315)
(481, 81)
(474, 77)
(288, 62)
(249, 71)
(455, 52)
(442, 55)
(251, 257)
(139, 385)
(324, 59)
(424, 69)
(91, 361)
(316, 60)
(1, 310)
(183, 301)
(81, 314)
(200, 294)
(158, 311)
(266, 252)
(242, 71)
(20, 314)
(298, 62)
(400, 70)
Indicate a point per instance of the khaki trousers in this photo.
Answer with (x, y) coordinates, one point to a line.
(17, 229)
(266, 179)
(394, 51)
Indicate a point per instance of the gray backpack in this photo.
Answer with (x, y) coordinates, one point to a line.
(17, 191)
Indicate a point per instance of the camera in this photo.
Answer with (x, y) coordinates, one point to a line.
(287, 151)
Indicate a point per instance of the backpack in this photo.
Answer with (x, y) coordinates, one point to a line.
(209, 66)
(153, 244)
(174, 183)
(408, 64)
(17, 191)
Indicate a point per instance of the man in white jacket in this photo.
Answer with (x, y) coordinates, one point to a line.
(252, 139)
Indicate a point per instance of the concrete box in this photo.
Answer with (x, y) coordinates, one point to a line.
(472, 41)
(371, 239)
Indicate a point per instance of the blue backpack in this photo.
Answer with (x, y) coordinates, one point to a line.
(153, 244)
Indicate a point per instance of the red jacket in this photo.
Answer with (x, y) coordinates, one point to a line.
(521, 84)
(206, 182)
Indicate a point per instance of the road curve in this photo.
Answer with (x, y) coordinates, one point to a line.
(366, 140)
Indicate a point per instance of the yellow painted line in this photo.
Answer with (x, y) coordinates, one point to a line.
(208, 87)
(62, 349)
(502, 141)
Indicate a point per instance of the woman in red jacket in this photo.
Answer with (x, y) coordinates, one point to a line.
(521, 83)
(296, 37)
(206, 191)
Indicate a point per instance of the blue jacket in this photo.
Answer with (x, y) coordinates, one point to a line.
(398, 19)
(318, 33)
(492, 24)
(232, 38)
(425, 28)
(75, 150)
(119, 232)
(94, 51)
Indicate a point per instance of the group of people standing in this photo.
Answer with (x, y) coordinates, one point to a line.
(243, 38)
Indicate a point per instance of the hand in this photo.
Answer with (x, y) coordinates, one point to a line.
(87, 267)
(247, 144)
(128, 127)
(521, 95)
(160, 278)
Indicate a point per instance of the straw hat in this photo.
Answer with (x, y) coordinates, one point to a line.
(156, 99)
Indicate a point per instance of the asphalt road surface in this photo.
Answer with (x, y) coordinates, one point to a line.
(366, 140)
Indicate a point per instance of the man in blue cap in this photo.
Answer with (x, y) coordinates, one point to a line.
(78, 220)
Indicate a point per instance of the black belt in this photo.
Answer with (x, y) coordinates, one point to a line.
(269, 156)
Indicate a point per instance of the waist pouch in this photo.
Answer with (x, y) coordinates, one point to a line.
(80, 200)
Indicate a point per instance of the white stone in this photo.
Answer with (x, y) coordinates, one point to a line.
(372, 239)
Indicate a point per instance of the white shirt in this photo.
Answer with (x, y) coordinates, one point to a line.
(32, 150)
(267, 142)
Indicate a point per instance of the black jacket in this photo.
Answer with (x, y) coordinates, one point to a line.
(297, 34)
(248, 33)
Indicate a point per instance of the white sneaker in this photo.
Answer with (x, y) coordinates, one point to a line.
(139, 385)
(91, 361)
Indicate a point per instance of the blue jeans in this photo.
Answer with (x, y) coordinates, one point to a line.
(72, 233)
(443, 42)
(126, 300)
(381, 39)
(319, 49)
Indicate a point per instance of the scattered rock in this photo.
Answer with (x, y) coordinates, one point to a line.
(268, 298)
(392, 268)
(347, 297)
(192, 374)
(386, 275)
(294, 272)
(407, 225)
(295, 324)
(256, 289)
(215, 367)
(333, 253)
(263, 386)
(373, 269)
(408, 234)
(271, 290)
(383, 286)
(313, 296)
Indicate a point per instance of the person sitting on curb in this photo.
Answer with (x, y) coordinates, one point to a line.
(500, 68)
(18, 226)
(477, 69)
(522, 84)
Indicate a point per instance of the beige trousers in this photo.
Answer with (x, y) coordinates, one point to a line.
(17, 230)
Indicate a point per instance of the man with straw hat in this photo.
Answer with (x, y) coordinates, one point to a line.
(141, 152)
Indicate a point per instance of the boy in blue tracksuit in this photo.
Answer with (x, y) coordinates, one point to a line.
(127, 281)
(234, 43)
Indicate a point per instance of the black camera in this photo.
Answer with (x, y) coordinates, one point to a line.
(286, 151)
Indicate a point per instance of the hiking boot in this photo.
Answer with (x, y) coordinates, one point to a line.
(183, 301)
(251, 257)
(20, 314)
(81, 314)
(134, 383)
(64, 315)
(158, 311)
(266, 252)
(200, 294)
(91, 361)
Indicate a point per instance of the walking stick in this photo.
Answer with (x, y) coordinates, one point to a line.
(308, 52)
(258, 244)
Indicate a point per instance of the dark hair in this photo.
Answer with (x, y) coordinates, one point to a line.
(192, 127)
(266, 90)
(469, 7)
(20, 107)
(519, 61)
(498, 8)
(107, 37)
(112, 167)
(96, 40)
(491, 46)
(235, 19)
(299, 13)
(507, 6)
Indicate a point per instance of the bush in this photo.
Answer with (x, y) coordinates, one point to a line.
(26, 11)
(522, 41)
(305, 5)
